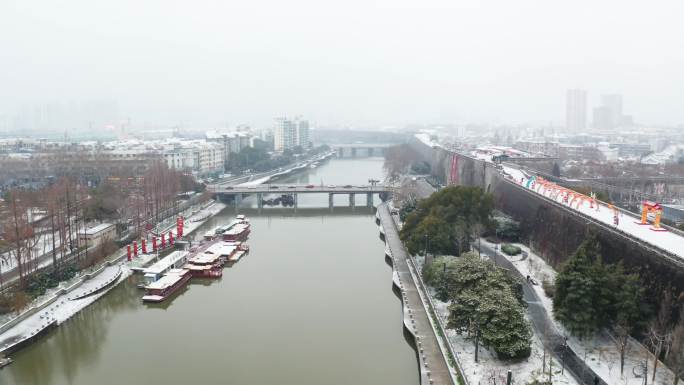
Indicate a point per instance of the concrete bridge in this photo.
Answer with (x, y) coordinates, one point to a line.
(237, 192)
(357, 150)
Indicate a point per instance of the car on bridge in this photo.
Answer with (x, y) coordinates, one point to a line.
(273, 187)
(331, 186)
(291, 186)
(309, 186)
(347, 186)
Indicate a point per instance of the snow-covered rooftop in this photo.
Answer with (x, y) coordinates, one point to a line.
(166, 262)
(97, 229)
(168, 280)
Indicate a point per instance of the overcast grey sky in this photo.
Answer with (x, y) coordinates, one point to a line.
(347, 62)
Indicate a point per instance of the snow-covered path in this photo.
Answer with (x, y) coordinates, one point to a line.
(669, 241)
(64, 306)
(599, 352)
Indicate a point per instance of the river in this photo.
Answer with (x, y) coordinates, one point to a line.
(311, 304)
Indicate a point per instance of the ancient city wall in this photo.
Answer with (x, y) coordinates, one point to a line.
(555, 231)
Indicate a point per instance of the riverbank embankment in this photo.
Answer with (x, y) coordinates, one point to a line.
(70, 298)
(434, 368)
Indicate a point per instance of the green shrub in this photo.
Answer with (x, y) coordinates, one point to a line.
(507, 229)
(591, 295)
(40, 282)
(482, 293)
(511, 249)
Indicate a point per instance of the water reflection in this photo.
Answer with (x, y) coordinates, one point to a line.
(311, 304)
(66, 351)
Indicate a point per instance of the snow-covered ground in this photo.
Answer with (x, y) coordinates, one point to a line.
(524, 371)
(600, 352)
(489, 368)
(64, 307)
(666, 240)
(43, 246)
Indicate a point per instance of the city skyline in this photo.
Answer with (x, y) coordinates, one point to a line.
(357, 64)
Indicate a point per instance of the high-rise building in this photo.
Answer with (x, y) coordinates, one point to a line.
(284, 134)
(290, 133)
(576, 110)
(609, 115)
(601, 118)
(614, 105)
(302, 133)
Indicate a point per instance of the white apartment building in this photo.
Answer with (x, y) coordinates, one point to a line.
(232, 142)
(576, 110)
(198, 156)
(290, 133)
(302, 133)
(284, 134)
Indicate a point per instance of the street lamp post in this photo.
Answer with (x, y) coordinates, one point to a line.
(426, 250)
(565, 351)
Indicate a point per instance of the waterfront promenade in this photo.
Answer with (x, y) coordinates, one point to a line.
(433, 365)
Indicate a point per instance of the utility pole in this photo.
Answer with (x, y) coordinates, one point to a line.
(68, 224)
(426, 250)
(84, 234)
(565, 352)
(477, 340)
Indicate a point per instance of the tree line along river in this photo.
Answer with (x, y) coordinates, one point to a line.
(311, 304)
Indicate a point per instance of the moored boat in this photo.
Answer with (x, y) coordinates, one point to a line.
(239, 232)
(222, 229)
(4, 361)
(204, 271)
(208, 258)
(172, 261)
(236, 255)
(165, 286)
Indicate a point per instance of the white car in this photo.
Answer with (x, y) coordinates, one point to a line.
(331, 186)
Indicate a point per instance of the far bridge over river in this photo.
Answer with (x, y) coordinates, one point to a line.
(237, 192)
(358, 150)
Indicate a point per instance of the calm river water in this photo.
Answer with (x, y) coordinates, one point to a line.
(311, 304)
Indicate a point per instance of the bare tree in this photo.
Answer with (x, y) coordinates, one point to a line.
(398, 159)
(610, 362)
(18, 231)
(477, 230)
(622, 332)
(659, 329)
(496, 376)
(676, 356)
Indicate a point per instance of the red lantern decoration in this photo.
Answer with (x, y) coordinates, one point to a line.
(178, 226)
(135, 248)
(128, 252)
(154, 244)
(163, 240)
(144, 246)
